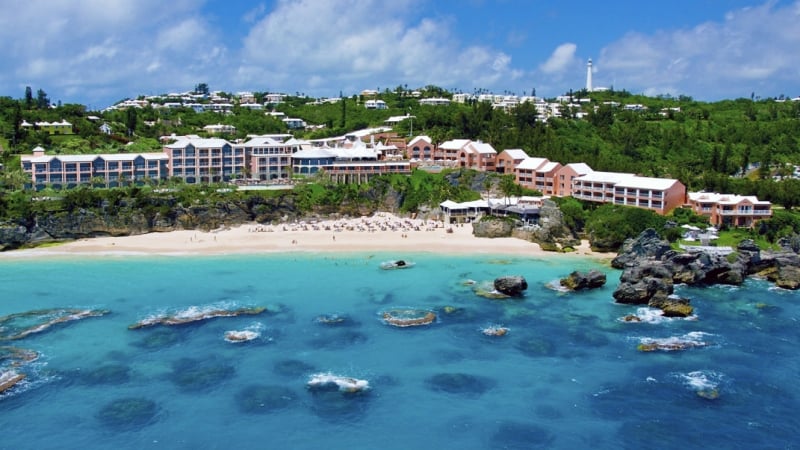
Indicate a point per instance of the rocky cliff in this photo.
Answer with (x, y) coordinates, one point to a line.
(133, 217)
(651, 267)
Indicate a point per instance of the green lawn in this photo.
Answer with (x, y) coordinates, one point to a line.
(731, 238)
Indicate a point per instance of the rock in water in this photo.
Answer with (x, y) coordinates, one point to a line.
(512, 286)
(584, 280)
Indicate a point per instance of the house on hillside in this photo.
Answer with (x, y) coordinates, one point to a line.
(420, 148)
(375, 104)
(564, 177)
(730, 210)
(508, 159)
(53, 128)
(477, 155)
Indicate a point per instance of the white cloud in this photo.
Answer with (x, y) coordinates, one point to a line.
(562, 59)
(752, 49)
(357, 44)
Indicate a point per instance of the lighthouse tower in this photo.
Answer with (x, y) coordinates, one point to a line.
(589, 75)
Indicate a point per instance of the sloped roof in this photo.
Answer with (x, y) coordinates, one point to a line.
(580, 168)
(454, 144)
(483, 148)
(515, 153)
(427, 140)
(532, 163)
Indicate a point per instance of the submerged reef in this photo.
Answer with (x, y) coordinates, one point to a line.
(128, 414)
(195, 314)
(20, 325)
(408, 317)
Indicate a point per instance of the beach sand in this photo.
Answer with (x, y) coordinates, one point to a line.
(382, 232)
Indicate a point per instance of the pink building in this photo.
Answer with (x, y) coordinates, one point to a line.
(508, 159)
(478, 155)
(202, 160)
(564, 177)
(730, 210)
(658, 194)
(268, 158)
(420, 148)
(448, 150)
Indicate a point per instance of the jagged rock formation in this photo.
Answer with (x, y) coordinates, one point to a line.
(577, 281)
(513, 286)
(493, 227)
(651, 268)
(553, 234)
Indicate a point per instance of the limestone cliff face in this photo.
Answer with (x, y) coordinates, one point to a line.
(131, 219)
(492, 227)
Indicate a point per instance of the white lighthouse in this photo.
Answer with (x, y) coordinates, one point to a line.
(589, 75)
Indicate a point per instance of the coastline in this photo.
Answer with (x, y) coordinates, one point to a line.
(382, 232)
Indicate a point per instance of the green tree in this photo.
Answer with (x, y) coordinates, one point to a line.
(28, 98)
(42, 102)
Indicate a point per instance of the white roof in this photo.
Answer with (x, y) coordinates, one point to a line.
(314, 153)
(725, 199)
(483, 148)
(197, 142)
(549, 166)
(263, 141)
(455, 144)
(605, 177)
(420, 138)
(516, 153)
(658, 184)
(532, 163)
(90, 158)
(449, 204)
(580, 168)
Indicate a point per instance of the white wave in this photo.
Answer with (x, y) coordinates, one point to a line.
(343, 384)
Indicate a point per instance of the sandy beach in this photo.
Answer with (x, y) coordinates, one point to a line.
(382, 232)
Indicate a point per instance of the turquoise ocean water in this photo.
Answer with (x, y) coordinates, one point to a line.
(567, 375)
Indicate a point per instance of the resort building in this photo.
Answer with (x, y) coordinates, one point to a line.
(565, 176)
(201, 160)
(658, 194)
(730, 210)
(420, 148)
(357, 163)
(508, 160)
(448, 150)
(477, 155)
(109, 170)
(538, 174)
(268, 158)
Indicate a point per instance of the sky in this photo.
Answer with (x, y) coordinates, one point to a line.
(98, 52)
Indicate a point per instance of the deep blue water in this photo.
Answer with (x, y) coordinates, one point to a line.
(567, 375)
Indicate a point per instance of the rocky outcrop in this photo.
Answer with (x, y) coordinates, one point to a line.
(493, 227)
(553, 234)
(140, 216)
(651, 268)
(577, 281)
(513, 286)
(672, 306)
